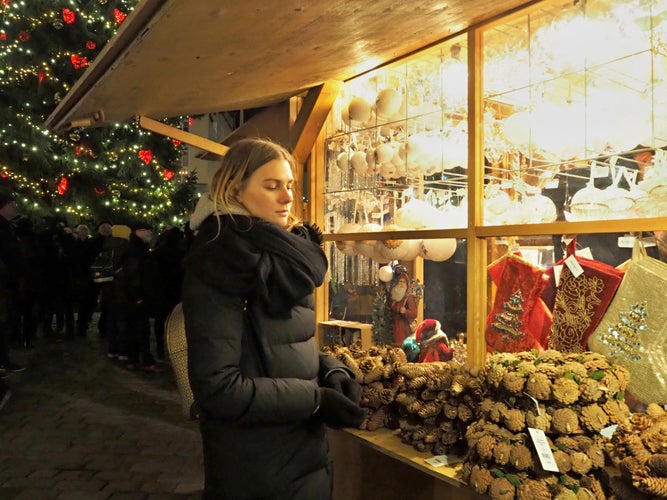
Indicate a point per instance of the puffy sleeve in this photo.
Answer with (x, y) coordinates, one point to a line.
(214, 325)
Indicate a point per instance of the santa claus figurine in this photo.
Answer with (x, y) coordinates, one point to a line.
(433, 342)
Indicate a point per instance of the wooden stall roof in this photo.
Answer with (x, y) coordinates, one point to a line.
(179, 57)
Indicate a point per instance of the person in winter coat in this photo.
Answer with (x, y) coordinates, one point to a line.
(263, 390)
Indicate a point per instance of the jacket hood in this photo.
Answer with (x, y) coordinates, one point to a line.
(204, 208)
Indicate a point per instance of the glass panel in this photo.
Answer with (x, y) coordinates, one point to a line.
(574, 109)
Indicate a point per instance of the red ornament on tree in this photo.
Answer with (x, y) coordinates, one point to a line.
(168, 174)
(5, 3)
(176, 142)
(69, 16)
(24, 36)
(191, 121)
(62, 186)
(4, 174)
(119, 16)
(146, 156)
(3, 36)
(41, 76)
(99, 190)
(78, 61)
(90, 45)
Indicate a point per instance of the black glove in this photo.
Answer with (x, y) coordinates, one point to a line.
(336, 410)
(346, 385)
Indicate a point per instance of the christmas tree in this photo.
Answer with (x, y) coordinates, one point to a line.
(381, 318)
(120, 172)
(508, 322)
(623, 337)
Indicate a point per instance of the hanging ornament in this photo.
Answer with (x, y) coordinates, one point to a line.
(5, 3)
(99, 190)
(62, 186)
(3, 36)
(24, 36)
(191, 122)
(74, 136)
(41, 76)
(78, 61)
(176, 142)
(58, 24)
(386, 273)
(4, 174)
(69, 16)
(92, 153)
(146, 156)
(115, 193)
(119, 16)
(113, 156)
(25, 157)
(168, 174)
(78, 151)
(102, 2)
(90, 45)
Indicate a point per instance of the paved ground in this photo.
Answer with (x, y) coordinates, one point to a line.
(80, 426)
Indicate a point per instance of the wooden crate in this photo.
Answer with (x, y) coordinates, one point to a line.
(345, 333)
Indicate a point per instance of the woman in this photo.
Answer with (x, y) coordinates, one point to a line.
(262, 389)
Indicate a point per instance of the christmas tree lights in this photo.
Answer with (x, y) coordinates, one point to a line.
(120, 172)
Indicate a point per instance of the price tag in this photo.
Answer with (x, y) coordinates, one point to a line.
(543, 450)
(584, 252)
(608, 431)
(626, 241)
(437, 461)
(573, 266)
(600, 171)
(557, 270)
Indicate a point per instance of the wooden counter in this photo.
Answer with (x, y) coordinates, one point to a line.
(373, 465)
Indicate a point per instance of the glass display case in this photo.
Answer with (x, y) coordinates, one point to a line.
(510, 132)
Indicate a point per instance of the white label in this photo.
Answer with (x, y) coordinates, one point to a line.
(557, 270)
(552, 184)
(573, 266)
(600, 171)
(585, 253)
(543, 450)
(626, 241)
(437, 461)
(608, 432)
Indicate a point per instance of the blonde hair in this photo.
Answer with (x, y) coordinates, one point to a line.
(241, 161)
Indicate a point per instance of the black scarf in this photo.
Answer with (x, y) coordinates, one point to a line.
(256, 259)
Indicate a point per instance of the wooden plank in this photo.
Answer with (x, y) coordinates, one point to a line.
(314, 111)
(186, 137)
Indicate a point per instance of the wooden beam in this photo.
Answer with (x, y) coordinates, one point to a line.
(314, 111)
(186, 137)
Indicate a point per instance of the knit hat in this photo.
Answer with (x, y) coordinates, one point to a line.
(6, 197)
(121, 231)
(141, 225)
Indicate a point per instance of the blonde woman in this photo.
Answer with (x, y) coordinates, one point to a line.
(262, 389)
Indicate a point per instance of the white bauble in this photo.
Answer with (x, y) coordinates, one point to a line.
(347, 247)
(417, 214)
(342, 160)
(384, 153)
(388, 103)
(539, 208)
(359, 110)
(437, 250)
(413, 249)
(388, 170)
(393, 249)
(367, 248)
(358, 162)
(386, 273)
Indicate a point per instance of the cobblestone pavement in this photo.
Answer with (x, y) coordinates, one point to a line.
(81, 426)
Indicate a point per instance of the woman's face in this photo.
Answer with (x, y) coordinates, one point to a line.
(268, 192)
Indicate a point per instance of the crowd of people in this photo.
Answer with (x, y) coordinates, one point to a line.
(48, 291)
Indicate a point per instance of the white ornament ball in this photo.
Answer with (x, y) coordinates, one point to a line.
(359, 109)
(367, 247)
(394, 249)
(347, 247)
(384, 153)
(437, 250)
(358, 162)
(388, 103)
(342, 160)
(386, 273)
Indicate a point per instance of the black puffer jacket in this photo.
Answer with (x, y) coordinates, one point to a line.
(255, 380)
